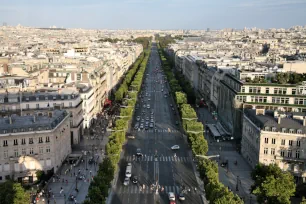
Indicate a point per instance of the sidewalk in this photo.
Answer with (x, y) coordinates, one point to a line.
(60, 190)
(235, 176)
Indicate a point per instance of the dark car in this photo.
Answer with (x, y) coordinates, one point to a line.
(135, 179)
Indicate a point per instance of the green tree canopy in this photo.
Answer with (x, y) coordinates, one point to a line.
(13, 193)
(272, 184)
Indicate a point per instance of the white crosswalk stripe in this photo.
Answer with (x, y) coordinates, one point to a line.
(160, 159)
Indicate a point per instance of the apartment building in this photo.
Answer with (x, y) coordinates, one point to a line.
(30, 143)
(286, 97)
(40, 102)
(275, 137)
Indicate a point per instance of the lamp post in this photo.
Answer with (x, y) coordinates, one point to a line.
(237, 187)
(76, 184)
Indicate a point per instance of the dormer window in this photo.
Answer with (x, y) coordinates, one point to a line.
(27, 99)
(274, 129)
(46, 98)
(54, 97)
(267, 128)
(291, 131)
(37, 98)
(299, 131)
(284, 130)
(62, 97)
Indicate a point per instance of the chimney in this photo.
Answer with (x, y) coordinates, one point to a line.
(10, 120)
(34, 118)
(279, 119)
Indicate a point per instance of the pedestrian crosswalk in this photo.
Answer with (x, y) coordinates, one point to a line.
(136, 189)
(160, 159)
(158, 130)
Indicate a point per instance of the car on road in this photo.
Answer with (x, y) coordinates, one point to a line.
(135, 179)
(126, 181)
(175, 147)
(149, 99)
(138, 118)
(182, 196)
(141, 126)
(151, 125)
(148, 106)
(172, 109)
(171, 105)
(142, 120)
(152, 120)
(171, 196)
(162, 90)
(136, 127)
(176, 122)
(144, 105)
(131, 137)
(138, 152)
(128, 171)
(147, 118)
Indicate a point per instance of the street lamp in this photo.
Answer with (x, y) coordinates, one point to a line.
(207, 157)
(76, 184)
(195, 132)
(110, 130)
(189, 119)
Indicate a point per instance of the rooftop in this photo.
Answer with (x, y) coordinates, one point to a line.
(15, 123)
(267, 120)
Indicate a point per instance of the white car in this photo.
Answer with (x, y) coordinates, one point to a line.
(175, 147)
(171, 196)
(126, 181)
(138, 118)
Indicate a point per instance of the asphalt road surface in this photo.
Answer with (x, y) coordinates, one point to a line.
(171, 170)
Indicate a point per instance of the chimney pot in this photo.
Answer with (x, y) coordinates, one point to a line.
(279, 119)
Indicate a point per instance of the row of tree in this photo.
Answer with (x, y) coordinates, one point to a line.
(98, 189)
(216, 192)
(12, 192)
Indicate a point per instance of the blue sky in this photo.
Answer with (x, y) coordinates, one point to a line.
(154, 14)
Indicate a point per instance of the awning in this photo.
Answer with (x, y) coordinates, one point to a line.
(213, 130)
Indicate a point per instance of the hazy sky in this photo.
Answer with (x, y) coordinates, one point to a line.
(154, 14)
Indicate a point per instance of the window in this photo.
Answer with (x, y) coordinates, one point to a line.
(37, 106)
(282, 153)
(4, 143)
(284, 130)
(31, 150)
(298, 143)
(31, 141)
(47, 139)
(299, 131)
(291, 131)
(267, 128)
(23, 151)
(274, 129)
(23, 141)
(293, 91)
(40, 140)
(290, 142)
(266, 140)
(289, 152)
(37, 98)
(27, 106)
(283, 142)
(267, 90)
(242, 89)
(16, 152)
(272, 151)
(48, 149)
(266, 151)
(5, 154)
(297, 154)
(273, 140)
(41, 150)
(15, 141)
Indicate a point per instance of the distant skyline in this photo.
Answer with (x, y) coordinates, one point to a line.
(154, 14)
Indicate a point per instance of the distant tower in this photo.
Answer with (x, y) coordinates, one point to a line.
(4, 24)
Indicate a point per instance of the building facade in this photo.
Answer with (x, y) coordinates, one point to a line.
(30, 103)
(33, 142)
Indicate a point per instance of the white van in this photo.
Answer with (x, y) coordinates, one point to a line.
(128, 172)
